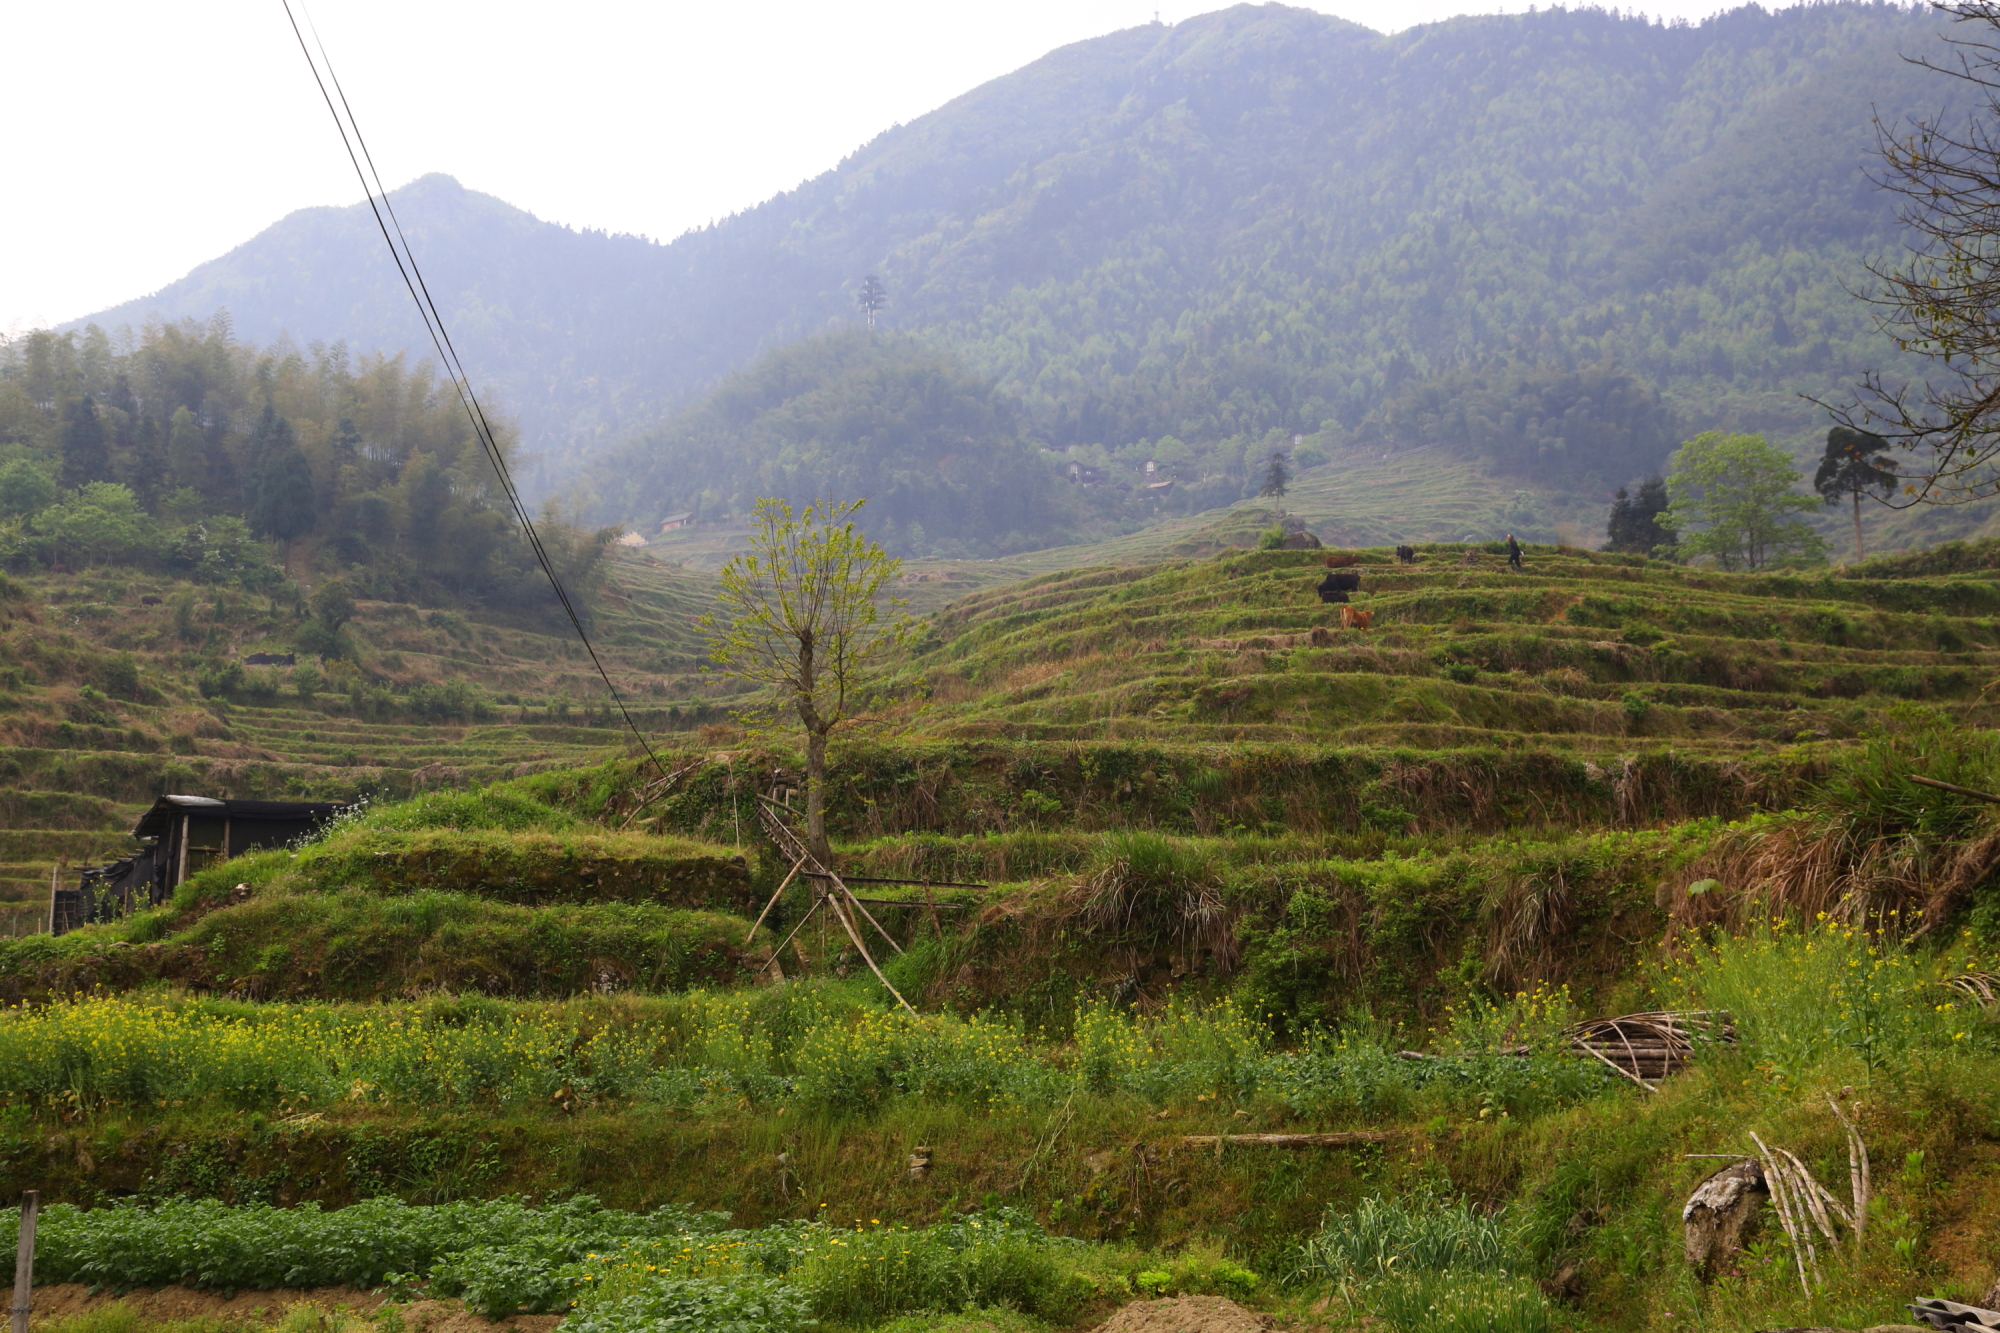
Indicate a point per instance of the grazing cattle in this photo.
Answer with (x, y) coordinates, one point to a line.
(1336, 585)
(271, 659)
(1407, 554)
(1342, 559)
(149, 600)
(1353, 617)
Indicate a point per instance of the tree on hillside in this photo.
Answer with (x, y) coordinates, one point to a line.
(187, 452)
(1731, 496)
(874, 296)
(801, 615)
(1939, 302)
(1277, 478)
(286, 504)
(1635, 526)
(1854, 463)
(86, 456)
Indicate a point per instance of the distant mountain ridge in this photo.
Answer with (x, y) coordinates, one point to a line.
(1255, 222)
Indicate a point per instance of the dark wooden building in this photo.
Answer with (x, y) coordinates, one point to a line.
(182, 836)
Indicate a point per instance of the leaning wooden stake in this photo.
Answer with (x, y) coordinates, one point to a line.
(24, 1259)
(796, 867)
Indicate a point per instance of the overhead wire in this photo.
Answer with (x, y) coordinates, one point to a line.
(413, 279)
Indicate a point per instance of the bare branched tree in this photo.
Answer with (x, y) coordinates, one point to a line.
(1942, 302)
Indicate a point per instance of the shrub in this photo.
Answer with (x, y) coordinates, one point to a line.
(1271, 539)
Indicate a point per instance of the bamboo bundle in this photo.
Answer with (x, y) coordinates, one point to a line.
(1647, 1047)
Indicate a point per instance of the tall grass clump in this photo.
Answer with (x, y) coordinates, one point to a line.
(1426, 1261)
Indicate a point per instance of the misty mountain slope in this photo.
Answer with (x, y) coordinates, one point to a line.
(1260, 220)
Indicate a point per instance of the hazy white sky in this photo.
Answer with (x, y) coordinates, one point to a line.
(149, 137)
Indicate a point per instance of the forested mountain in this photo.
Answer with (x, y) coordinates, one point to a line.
(936, 449)
(1255, 224)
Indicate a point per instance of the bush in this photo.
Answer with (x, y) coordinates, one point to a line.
(1271, 539)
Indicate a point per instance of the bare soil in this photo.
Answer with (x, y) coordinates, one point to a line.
(1186, 1314)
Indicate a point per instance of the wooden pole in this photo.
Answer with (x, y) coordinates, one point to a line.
(840, 915)
(773, 903)
(1922, 781)
(24, 1259)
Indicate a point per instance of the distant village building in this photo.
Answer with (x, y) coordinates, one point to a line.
(672, 521)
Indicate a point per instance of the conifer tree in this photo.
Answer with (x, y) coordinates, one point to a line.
(86, 455)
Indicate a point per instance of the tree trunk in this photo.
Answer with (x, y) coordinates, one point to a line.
(816, 798)
(1858, 557)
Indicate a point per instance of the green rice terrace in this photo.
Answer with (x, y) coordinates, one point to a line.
(1259, 969)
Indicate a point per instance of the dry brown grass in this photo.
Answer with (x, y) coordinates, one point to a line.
(1805, 868)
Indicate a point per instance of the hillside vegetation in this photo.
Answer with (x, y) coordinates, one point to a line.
(1201, 863)
(117, 685)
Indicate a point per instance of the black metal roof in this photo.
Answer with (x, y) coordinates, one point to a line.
(156, 821)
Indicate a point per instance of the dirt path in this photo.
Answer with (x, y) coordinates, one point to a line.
(252, 1307)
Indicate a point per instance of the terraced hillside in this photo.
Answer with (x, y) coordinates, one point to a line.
(116, 687)
(1587, 654)
(1199, 867)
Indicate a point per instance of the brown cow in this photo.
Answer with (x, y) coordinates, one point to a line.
(1353, 617)
(1342, 559)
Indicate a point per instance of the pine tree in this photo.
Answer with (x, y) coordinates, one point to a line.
(1277, 477)
(86, 456)
(1854, 463)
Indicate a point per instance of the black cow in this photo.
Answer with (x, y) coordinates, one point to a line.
(1407, 554)
(1338, 583)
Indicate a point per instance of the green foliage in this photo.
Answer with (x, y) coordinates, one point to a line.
(1419, 1231)
(203, 1243)
(885, 416)
(1829, 1001)
(373, 465)
(1271, 539)
(699, 1305)
(1731, 495)
(1635, 525)
(1534, 421)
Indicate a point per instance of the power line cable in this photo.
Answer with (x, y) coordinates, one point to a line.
(413, 279)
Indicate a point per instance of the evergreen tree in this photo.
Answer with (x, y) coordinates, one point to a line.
(1277, 477)
(1854, 463)
(86, 455)
(1635, 527)
(149, 461)
(286, 503)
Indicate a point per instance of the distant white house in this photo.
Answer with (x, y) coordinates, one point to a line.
(672, 521)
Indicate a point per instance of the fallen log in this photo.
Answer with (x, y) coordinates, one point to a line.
(1344, 1138)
